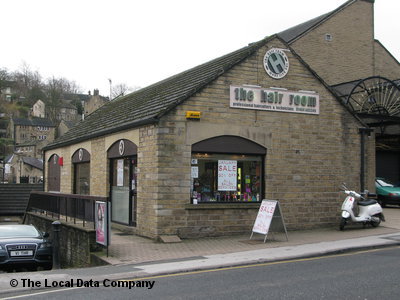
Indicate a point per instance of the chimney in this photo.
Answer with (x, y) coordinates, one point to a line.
(96, 92)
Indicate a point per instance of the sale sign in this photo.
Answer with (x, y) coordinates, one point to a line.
(227, 175)
(264, 216)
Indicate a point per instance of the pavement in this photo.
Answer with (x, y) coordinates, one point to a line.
(135, 258)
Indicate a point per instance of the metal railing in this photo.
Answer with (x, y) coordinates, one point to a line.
(79, 209)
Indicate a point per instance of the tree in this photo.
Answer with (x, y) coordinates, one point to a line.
(121, 89)
(4, 78)
(27, 80)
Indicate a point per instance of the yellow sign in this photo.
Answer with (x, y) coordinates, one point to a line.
(193, 115)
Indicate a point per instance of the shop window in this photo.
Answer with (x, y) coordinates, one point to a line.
(227, 169)
(226, 178)
(81, 164)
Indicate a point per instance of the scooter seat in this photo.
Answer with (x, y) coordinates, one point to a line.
(367, 202)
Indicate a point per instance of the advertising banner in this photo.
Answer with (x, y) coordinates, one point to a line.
(269, 217)
(101, 222)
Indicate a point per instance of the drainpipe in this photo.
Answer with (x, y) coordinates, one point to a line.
(363, 132)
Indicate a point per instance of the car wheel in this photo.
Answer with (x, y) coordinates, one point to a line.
(47, 267)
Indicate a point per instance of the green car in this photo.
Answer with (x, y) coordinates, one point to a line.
(388, 193)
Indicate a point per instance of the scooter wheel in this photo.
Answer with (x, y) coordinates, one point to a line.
(375, 221)
(343, 223)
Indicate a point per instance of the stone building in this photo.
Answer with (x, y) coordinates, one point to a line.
(39, 109)
(23, 130)
(94, 102)
(25, 169)
(194, 154)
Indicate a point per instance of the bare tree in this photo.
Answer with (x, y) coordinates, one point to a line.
(122, 89)
(4, 77)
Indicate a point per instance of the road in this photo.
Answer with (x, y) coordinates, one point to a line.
(368, 274)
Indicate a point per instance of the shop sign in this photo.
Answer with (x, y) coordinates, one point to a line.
(251, 97)
(227, 175)
(276, 63)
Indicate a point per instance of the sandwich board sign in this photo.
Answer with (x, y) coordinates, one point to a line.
(269, 217)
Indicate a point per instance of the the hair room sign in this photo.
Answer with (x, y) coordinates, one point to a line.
(254, 97)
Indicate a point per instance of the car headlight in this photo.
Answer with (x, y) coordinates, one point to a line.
(1, 247)
(45, 245)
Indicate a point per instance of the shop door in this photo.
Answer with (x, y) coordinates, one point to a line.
(123, 190)
(54, 174)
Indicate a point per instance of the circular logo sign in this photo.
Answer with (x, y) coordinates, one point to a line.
(121, 147)
(80, 154)
(276, 63)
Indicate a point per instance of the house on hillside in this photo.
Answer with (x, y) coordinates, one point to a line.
(39, 109)
(31, 148)
(289, 117)
(7, 90)
(64, 126)
(24, 130)
(94, 102)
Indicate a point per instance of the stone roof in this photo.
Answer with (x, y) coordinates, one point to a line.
(148, 104)
(34, 162)
(33, 122)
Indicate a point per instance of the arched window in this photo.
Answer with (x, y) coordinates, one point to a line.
(227, 169)
(53, 174)
(81, 165)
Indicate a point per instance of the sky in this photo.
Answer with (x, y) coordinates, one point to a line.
(138, 43)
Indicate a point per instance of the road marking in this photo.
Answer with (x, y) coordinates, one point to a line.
(41, 293)
(261, 264)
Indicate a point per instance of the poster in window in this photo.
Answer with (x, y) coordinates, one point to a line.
(195, 172)
(227, 175)
(120, 172)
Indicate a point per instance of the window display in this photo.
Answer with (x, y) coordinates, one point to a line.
(226, 178)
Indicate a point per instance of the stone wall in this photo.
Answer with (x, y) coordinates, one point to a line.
(308, 156)
(350, 49)
(76, 242)
(385, 64)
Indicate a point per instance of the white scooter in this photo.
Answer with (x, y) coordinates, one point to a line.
(369, 210)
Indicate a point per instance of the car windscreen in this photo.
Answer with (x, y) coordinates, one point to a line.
(384, 182)
(16, 231)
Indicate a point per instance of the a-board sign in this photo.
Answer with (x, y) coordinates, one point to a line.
(264, 216)
(102, 224)
(269, 214)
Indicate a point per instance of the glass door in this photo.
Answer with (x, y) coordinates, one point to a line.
(123, 190)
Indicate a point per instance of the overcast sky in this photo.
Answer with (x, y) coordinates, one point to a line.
(142, 42)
